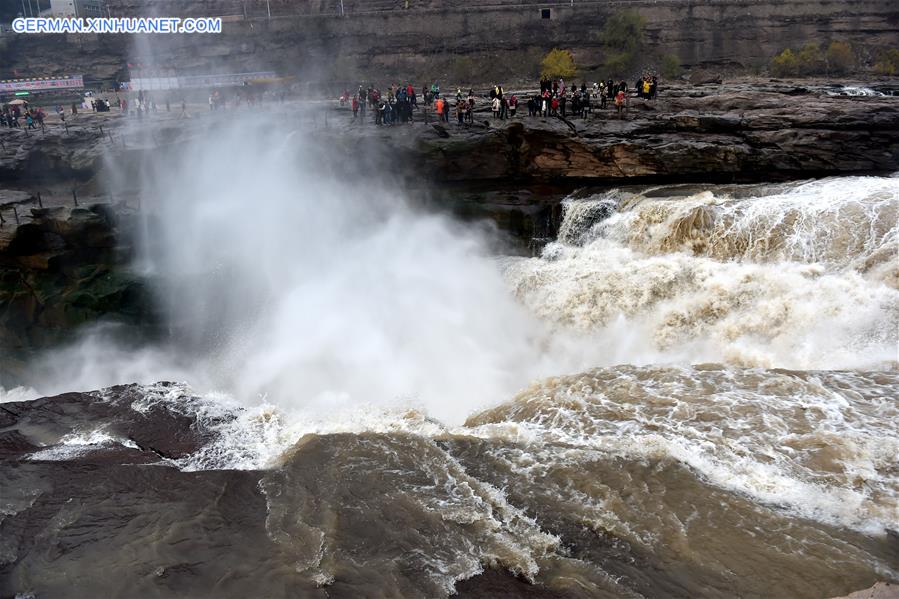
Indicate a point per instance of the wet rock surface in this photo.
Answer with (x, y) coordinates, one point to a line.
(99, 498)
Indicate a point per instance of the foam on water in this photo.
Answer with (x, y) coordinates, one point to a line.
(856, 90)
(679, 308)
(798, 276)
(821, 444)
(842, 223)
(75, 445)
(301, 304)
(18, 394)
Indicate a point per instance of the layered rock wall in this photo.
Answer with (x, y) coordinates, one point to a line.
(382, 38)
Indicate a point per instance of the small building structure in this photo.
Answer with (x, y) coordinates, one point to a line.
(78, 8)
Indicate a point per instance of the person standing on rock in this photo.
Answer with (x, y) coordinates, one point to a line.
(496, 103)
(513, 106)
(619, 103)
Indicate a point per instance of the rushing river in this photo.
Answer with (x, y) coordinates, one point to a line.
(691, 393)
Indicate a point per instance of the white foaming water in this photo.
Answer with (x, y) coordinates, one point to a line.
(685, 309)
(583, 216)
(821, 444)
(856, 90)
(796, 279)
(75, 445)
(848, 222)
(18, 394)
(283, 283)
(327, 306)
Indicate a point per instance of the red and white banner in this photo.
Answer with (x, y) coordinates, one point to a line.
(42, 84)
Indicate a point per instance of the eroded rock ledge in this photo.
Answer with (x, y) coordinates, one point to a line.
(734, 136)
(737, 132)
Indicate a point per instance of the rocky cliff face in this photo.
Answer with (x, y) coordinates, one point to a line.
(385, 39)
(61, 268)
(734, 135)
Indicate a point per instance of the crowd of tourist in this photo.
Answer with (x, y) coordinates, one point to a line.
(13, 116)
(398, 103)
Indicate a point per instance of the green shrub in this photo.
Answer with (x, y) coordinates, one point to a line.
(558, 63)
(784, 64)
(811, 60)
